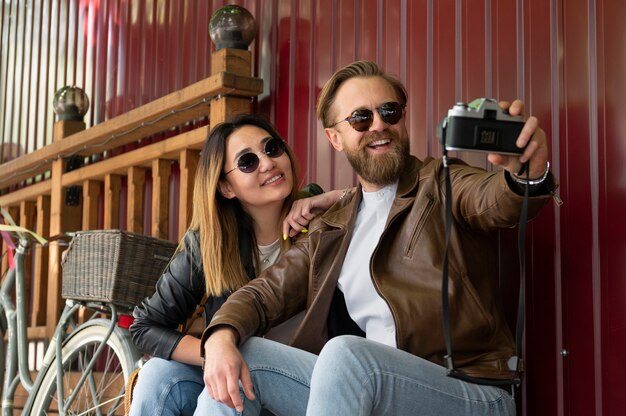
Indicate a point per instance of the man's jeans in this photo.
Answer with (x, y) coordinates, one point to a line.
(354, 376)
(166, 388)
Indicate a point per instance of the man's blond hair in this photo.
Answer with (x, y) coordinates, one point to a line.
(355, 69)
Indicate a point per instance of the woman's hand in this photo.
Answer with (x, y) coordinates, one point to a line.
(304, 210)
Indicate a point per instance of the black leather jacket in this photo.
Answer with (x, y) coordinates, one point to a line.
(179, 290)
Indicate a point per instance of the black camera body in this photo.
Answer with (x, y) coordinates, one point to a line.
(480, 126)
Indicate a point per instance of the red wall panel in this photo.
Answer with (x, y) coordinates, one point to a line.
(564, 58)
(612, 199)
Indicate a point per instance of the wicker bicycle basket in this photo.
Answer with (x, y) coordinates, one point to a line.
(113, 266)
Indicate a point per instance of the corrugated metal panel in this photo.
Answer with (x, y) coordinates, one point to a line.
(565, 59)
(612, 197)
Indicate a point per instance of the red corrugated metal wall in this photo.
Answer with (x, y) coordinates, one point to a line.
(566, 59)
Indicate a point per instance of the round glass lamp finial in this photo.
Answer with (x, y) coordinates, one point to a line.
(70, 103)
(232, 26)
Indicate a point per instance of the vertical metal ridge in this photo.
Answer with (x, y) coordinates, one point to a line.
(293, 18)
(521, 84)
(403, 41)
(274, 48)
(312, 120)
(555, 102)
(595, 196)
(33, 78)
(458, 51)
(18, 83)
(333, 62)
(379, 34)
(488, 49)
(3, 72)
(90, 60)
(26, 82)
(9, 102)
(429, 74)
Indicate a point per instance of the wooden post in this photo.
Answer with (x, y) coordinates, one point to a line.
(59, 218)
(236, 61)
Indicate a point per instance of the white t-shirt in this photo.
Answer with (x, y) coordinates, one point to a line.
(365, 306)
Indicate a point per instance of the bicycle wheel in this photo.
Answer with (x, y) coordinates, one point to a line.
(102, 393)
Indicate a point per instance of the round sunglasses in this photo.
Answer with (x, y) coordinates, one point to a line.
(361, 120)
(249, 162)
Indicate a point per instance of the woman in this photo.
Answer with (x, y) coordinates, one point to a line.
(245, 186)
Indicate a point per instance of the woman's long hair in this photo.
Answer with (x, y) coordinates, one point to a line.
(221, 222)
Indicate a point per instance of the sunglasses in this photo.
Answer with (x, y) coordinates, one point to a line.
(249, 162)
(361, 120)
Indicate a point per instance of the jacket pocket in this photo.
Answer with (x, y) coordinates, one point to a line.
(419, 224)
(482, 323)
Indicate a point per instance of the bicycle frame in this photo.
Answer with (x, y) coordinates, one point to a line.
(16, 363)
(16, 328)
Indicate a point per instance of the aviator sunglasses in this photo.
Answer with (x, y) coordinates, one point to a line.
(361, 120)
(249, 162)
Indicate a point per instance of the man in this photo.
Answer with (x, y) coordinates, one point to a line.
(372, 266)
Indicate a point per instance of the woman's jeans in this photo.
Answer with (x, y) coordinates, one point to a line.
(166, 388)
(355, 376)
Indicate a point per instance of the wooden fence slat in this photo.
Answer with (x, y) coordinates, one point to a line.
(40, 281)
(91, 194)
(188, 165)
(161, 170)
(112, 189)
(136, 193)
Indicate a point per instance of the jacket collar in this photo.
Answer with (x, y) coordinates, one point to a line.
(343, 213)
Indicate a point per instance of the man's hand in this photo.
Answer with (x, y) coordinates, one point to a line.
(224, 367)
(304, 210)
(533, 137)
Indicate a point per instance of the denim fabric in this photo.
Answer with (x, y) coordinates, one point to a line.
(355, 376)
(166, 388)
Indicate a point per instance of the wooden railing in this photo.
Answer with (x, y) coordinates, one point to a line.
(41, 206)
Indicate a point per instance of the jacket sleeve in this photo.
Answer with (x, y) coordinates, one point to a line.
(485, 201)
(178, 292)
(274, 296)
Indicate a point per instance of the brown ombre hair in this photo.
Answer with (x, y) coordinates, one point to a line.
(220, 222)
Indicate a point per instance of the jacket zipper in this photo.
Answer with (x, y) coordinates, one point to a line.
(420, 224)
(431, 201)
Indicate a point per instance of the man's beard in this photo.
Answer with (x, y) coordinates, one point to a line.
(379, 169)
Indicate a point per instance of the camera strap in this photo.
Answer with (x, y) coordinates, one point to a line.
(514, 362)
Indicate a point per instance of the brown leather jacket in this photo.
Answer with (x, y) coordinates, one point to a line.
(406, 269)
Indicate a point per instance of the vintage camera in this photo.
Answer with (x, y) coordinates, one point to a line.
(480, 126)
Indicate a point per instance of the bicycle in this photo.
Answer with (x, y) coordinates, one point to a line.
(85, 367)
